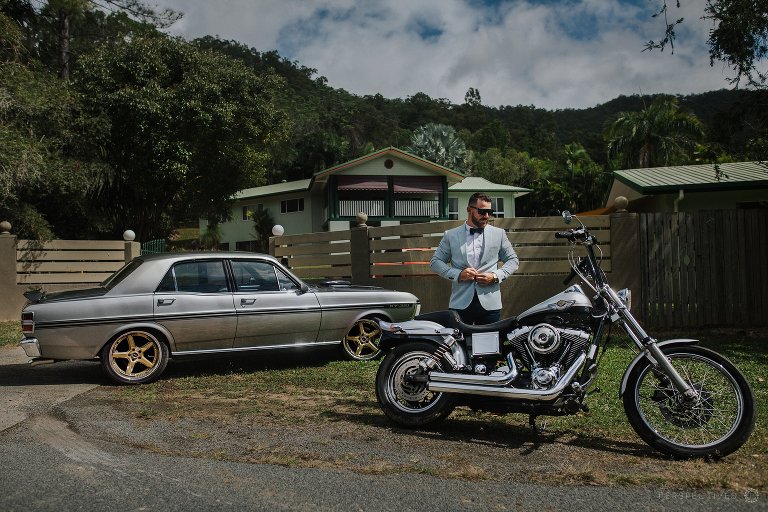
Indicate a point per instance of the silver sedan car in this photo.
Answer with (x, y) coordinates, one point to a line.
(184, 304)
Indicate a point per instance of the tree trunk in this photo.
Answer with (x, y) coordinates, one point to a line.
(64, 37)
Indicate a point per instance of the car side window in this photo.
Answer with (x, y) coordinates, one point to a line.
(255, 276)
(285, 282)
(195, 276)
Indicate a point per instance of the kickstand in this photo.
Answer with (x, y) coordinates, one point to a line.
(537, 430)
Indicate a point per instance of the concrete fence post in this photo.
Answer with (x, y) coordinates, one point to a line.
(132, 250)
(9, 306)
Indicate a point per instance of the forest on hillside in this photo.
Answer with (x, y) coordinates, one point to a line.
(106, 122)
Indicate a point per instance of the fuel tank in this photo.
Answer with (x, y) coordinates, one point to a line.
(569, 308)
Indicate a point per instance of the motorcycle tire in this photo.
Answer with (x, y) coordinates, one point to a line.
(407, 402)
(717, 422)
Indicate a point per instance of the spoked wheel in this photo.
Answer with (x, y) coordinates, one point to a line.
(362, 341)
(134, 357)
(715, 423)
(401, 386)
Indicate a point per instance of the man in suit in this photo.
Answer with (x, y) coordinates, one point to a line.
(468, 255)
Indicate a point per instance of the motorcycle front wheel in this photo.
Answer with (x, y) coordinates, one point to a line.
(715, 423)
(401, 386)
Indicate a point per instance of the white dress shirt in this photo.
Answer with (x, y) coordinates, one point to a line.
(474, 247)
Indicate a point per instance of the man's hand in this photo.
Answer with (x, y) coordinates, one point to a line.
(485, 278)
(468, 274)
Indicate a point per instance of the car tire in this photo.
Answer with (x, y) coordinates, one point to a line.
(135, 357)
(361, 343)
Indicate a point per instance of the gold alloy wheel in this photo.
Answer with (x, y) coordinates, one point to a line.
(135, 355)
(362, 340)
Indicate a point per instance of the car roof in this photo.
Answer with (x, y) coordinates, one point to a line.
(194, 255)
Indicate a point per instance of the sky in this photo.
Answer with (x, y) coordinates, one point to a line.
(551, 54)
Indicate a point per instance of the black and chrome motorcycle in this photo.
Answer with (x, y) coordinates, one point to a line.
(682, 399)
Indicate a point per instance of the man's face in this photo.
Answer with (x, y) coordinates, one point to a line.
(474, 217)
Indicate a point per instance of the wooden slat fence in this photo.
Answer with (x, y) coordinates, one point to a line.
(704, 268)
(315, 255)
(406, 250)
(67, 261)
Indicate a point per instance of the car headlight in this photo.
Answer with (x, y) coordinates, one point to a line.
(626, 297)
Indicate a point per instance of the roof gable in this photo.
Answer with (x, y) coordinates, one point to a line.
(366, 165)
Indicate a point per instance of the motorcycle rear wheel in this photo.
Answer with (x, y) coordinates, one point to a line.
(406, 401)
(717, 422)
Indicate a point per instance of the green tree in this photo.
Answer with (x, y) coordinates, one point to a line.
(508, 167)
(440, 144)
(262, 229)
(187, 129)
(472, 97)
(66, 29)
(47, 147)
(739, 36)
(658, 135)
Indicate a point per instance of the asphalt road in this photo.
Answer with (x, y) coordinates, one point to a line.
(48, 463)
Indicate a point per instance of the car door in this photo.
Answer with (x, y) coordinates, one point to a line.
(271, 308)
(194, 302)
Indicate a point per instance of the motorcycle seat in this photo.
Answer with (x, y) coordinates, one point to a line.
(450, 318)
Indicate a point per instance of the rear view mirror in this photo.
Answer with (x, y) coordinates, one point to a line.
(567, 216)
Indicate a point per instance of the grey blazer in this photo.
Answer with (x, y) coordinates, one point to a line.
(451, 258)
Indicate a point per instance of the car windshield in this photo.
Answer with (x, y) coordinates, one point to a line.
(121, 274)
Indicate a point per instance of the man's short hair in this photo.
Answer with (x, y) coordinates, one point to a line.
(478, 195)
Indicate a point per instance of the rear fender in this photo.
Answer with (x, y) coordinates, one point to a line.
(392, 338)
(681, 342)
(144, 326)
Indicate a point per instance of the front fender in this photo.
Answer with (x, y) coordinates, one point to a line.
(644, 354)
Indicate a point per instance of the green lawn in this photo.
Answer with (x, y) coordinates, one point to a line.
(10, 333)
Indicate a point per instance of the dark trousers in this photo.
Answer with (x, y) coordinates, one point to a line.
(477, 315)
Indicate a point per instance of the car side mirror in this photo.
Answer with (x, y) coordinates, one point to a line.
(304, 288)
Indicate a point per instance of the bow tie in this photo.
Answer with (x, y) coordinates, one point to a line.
(472, 231)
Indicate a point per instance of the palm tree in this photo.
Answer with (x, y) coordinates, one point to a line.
(660, 134)
(441, 144)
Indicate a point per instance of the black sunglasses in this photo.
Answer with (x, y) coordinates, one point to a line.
(483, 211)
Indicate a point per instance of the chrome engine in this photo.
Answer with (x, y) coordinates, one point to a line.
(546, 350)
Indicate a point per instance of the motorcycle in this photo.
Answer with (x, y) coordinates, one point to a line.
(682, 399)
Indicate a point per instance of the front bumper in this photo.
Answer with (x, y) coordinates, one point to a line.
(31, 347)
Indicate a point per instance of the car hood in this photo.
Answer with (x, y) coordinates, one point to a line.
(72, 294)
(334, 288)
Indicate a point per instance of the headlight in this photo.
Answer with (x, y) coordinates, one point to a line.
(626, 297)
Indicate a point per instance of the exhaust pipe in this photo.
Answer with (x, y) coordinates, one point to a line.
(488, 386)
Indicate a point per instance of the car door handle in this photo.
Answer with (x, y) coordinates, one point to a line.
(247, 302)
(165, 302)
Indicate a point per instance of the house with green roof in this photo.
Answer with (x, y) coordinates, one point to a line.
(390, 185)
(692, 187)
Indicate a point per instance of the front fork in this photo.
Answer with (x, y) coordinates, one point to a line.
(646, 344)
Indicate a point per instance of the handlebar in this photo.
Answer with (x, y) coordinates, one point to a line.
(572, 235)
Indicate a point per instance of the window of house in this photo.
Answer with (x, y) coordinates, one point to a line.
(497, 203)
(249, 209)
(453, 208)
(292, 205)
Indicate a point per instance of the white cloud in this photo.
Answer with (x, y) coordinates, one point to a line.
(549, 54)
